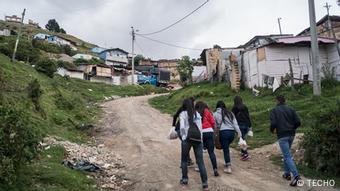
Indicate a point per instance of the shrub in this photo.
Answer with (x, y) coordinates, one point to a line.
(322, 141)
(66, 65)
(34, 93)
(62, 103)
(46, 66)
(18, 141)
(25, 52)
(47, 47)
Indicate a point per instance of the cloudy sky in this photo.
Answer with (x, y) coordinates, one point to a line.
(228, 23)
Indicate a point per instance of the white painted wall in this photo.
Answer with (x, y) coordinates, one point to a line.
(71, 74)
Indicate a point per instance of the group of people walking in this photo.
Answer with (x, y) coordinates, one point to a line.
(201, 129)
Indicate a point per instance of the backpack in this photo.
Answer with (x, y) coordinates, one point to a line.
(194, 134)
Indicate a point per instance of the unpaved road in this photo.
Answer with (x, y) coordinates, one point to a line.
(137, 133)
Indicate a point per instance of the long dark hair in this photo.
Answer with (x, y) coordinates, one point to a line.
(200, 107)
(225, 112)
(188, 106)
(238, 103)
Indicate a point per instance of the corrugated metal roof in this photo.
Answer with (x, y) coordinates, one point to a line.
(300, 39)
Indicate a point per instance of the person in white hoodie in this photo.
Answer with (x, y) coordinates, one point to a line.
(226, 123)
(189, 118)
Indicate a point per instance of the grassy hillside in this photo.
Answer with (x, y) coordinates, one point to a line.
(30, 31)
(301, 99)
(65, 103)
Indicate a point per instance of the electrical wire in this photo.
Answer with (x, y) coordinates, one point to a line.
(173, 24)
(168, 44)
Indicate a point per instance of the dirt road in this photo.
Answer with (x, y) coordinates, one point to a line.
(137, 133)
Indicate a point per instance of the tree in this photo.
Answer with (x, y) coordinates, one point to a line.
(46, 66)
(138, 58)
(185, 69)
(52, 25)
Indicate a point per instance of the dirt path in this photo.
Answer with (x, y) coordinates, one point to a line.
(137, 133)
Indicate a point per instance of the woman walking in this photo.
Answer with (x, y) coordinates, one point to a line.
(243, 119)
(190, 119)
(208, 125)
(227, 125)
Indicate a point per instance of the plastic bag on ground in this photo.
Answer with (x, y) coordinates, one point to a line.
(172, 134)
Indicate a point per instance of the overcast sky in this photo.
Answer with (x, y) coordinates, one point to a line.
(228, 23)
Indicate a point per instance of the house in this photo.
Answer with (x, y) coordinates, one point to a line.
(97, 50)
(72, 73)
(41, 36)
(147, 62)
(34, 24)
(170, 65)
(84, 56)
(13, 18)
(102, 73)
(57, 40)
(115, 57)
(324, 27)
(199, 74)
(272, 61)
(212, 59)
(5, 32)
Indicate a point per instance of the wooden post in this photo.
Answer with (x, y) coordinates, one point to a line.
(291, 73)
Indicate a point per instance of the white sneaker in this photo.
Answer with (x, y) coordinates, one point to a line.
(197, 169)
(227, 170)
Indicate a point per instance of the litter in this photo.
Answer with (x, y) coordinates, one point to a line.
(82, 165)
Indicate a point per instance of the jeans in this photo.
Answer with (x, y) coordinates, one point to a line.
(209, 143)
(289, 165)
(198, 150)
(226, 138)
(244, 130)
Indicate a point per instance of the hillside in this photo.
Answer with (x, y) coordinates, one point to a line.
(302, 100)
(30, 31)
(64, 105)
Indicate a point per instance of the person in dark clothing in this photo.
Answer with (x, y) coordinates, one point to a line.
(243, 119)
(175, 124)
(284, 121)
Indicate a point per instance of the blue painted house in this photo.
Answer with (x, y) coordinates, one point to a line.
(114, 57)
(97, 50)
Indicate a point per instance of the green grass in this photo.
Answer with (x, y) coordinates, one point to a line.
(47, 173)
(307, 171)
(57, 120)
(302, 100)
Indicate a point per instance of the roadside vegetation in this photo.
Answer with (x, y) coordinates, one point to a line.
(320, 118)
(34, 105)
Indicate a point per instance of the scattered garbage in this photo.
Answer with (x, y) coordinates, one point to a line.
(105, 167)
(82, 165)
(90, 90)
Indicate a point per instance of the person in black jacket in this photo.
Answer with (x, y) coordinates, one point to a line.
(243, 119)
(175, 124)
(284, 121)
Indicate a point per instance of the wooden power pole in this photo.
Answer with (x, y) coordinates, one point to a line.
(18, 37)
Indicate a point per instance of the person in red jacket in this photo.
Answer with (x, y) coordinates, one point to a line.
(208, 125)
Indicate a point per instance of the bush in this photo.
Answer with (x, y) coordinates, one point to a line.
(34, 93)
(18, 141)
(46, 66)
(47, 47)
(25, 52)
(62, 103)
(322, 141)
(66, 65)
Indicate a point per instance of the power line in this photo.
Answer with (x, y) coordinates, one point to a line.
(140, 48)
(173, 24)
(168, 44)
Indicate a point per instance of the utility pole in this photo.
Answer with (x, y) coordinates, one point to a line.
(19, 34)
(279, 21)
(133, 54)
(331, 30)
(315, 50)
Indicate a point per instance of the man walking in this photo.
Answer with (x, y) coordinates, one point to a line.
(284, 121)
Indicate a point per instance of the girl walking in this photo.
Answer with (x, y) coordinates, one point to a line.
(227, 125)
(243, 119)
(208, 125)
(189, 118)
